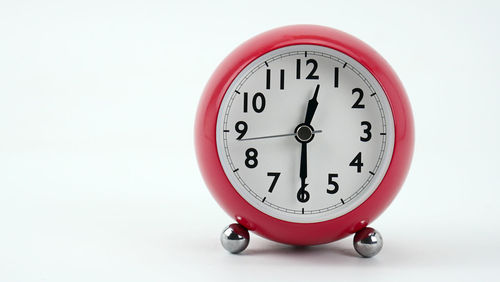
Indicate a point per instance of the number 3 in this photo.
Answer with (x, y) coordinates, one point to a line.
(366, 131)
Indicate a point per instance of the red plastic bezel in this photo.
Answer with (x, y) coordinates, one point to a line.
(263, 224)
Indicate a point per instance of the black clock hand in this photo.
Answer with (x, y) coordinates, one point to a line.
(303, 164)
(311, 107)
(302, 194)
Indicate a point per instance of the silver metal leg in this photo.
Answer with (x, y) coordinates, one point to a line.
(235, 238)
(368, 242)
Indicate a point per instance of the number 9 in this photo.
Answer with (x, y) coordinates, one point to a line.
(241, 131)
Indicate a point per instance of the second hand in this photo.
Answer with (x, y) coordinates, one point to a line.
(274, 136)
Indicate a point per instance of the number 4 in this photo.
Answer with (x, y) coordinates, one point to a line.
(357, 162)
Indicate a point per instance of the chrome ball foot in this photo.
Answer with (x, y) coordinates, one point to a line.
(235, 238)
(368, 242)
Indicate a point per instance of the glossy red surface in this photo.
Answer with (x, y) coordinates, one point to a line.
(270, 227)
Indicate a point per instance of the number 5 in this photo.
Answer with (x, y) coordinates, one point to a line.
(332, 182)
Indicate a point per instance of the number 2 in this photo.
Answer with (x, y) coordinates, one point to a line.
(357, 104)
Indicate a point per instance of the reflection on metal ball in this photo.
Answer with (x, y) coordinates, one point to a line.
(235, 238)
(368, 242)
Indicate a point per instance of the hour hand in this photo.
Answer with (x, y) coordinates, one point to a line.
(311, 106)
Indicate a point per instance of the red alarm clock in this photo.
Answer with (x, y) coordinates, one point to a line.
(304, 135)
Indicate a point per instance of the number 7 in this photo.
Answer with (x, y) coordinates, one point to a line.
(276, 175)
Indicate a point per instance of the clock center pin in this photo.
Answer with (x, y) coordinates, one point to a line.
(304, 133)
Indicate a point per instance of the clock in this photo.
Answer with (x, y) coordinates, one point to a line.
(304, 135)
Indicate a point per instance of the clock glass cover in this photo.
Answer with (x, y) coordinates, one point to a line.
(305, 133)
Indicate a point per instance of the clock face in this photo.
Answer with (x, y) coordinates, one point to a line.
(305, 133)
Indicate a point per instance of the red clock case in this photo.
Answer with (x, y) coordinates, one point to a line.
(263, 224)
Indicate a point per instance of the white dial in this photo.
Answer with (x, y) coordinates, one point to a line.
(305, 133)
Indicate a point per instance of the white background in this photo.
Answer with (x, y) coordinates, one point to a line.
(98, 177)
